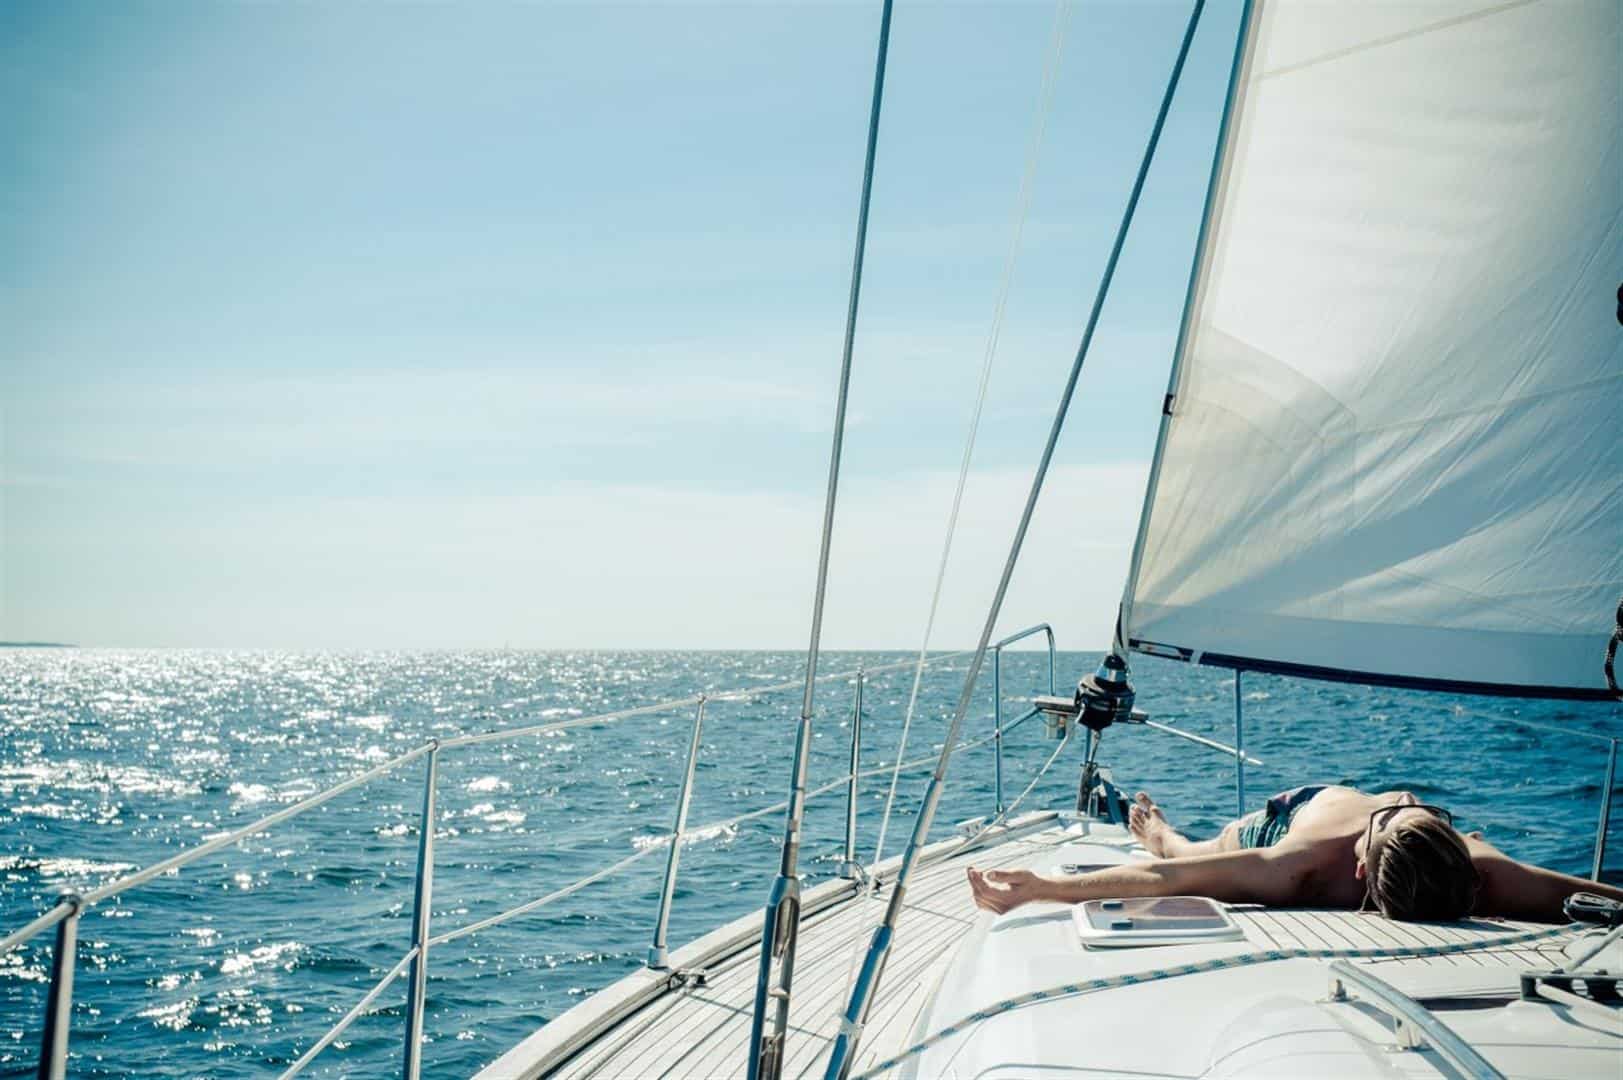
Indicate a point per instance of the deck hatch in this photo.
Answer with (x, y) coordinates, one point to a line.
(1160, 920)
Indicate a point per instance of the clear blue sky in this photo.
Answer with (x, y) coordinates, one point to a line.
(387, 325)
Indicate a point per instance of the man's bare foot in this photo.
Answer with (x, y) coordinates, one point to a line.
(1147, 822)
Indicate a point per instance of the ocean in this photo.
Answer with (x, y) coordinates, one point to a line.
(112, 760)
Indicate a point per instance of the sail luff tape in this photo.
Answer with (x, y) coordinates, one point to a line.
(1200, 968)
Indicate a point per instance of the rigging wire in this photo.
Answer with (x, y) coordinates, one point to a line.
(1045, 99)
(1002, 816)
(1008, 811)
(1022, 208)
(1519, 721)
(855, 1015)
(780, 928)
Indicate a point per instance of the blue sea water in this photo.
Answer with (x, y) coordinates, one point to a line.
(112, 760)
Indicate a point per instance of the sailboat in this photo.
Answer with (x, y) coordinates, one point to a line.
(1388, 454)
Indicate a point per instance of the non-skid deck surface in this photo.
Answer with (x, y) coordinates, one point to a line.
(1312, 929)
(703, 1031)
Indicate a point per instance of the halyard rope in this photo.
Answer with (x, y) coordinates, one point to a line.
(1200, 968)
(1045, 100)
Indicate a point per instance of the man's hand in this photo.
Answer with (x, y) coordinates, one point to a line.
(1276, 875)
(1003, 890)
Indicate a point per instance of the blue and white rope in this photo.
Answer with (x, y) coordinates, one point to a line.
(1200, 968)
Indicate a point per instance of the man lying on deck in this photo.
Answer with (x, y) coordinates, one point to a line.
(1332, 847)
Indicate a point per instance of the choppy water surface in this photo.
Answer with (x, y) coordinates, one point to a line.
(113, 760)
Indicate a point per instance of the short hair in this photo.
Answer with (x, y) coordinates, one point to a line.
(1420, 870)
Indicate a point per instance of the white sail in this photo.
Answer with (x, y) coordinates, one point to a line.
(1395, 444)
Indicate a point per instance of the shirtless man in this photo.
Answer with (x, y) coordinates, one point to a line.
(1320, 846)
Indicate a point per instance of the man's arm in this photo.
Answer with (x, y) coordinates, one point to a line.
(1254, 876)
(1515, 890)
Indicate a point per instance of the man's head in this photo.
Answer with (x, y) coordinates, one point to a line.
(1414, 864)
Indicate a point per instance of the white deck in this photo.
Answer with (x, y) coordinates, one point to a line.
(1270, 1019)
(950, 960)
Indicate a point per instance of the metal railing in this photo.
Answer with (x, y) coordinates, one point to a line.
(657, 953)
(64, 916)
(1605, 809)
(1239, 748)
(997, 699)
(1414, 1024)
(850, 868)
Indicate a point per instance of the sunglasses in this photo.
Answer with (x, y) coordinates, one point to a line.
(1382, 817)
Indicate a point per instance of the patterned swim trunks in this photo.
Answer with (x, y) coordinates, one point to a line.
(1268, 826)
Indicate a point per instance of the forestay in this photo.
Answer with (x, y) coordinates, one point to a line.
(1394, 448)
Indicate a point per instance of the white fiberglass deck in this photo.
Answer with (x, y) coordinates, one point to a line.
(950, 960)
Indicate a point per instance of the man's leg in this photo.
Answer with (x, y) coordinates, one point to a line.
(1147, 822)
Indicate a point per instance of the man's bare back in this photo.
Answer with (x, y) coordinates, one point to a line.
(1325, 834)
(1319, 861)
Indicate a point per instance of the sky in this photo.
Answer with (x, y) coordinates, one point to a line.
(463, 325)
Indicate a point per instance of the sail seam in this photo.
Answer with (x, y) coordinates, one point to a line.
(1393, 39)
(1500, 600)
(1497, 408)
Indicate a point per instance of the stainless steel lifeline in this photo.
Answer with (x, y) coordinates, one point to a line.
(64, 915)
